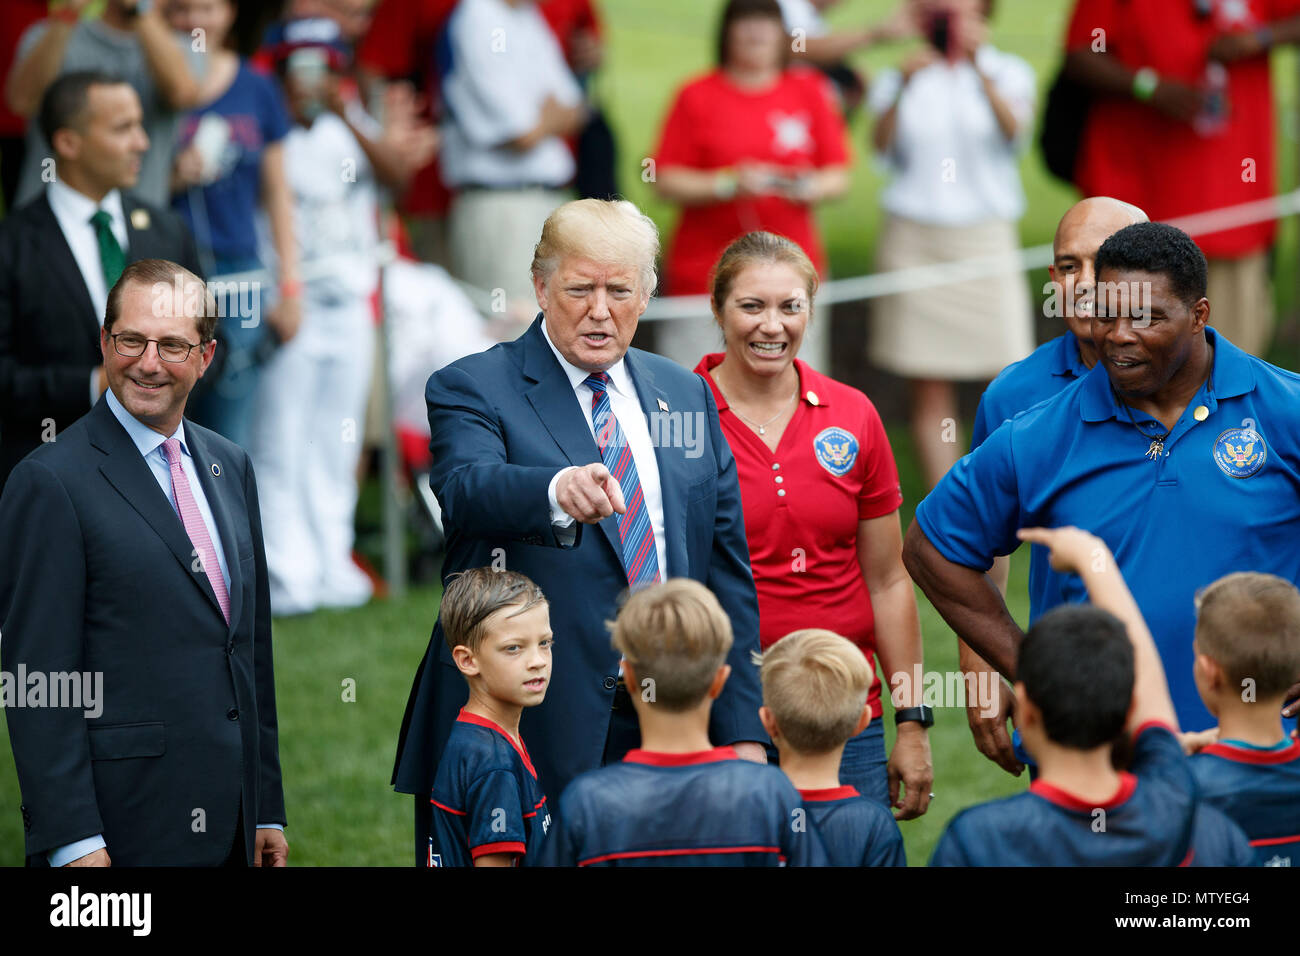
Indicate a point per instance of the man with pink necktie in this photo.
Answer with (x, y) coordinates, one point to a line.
(132, 570)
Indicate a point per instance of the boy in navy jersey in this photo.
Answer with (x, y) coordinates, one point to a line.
(487, 807)
(815, 686)
(678, 800)
(1084, 675)
(1247, 656)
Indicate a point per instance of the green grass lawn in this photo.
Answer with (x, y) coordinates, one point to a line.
(337, 755)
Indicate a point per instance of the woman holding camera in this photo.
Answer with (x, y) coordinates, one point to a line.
(950, 126)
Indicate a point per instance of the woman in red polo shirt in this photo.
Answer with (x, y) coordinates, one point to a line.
(820, 493)
(751, 145)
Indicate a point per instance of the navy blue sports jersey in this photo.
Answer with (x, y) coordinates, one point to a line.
(857, 830)
(485, 797)
(1259, 787)
(1148, 821)
(1217, 841)
(698, 809)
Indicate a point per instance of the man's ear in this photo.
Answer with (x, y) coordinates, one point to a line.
(206, 354)
(105, 343)
(67, 144)
(1200, 314)
(539, 289)
(466, 661)
(719, 679)
(769, 722)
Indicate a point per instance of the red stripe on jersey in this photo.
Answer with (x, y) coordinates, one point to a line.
(1152, 723)
(654, 758)
(540, 804)
(443, 806)
(684, 851)
(484, 722)
(1063, 798)
(1275, 841)
(1187, 860)
(486, 848)
(1239, 754)
(830, 793)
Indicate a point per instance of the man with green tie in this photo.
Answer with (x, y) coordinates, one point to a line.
(62, 252)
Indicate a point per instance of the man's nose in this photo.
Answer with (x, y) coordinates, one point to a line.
(149, 360)
(599, 304)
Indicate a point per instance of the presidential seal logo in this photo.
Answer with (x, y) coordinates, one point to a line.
(836, 450)
(1240, 452)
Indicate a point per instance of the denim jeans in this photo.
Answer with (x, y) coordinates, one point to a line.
(226, 404)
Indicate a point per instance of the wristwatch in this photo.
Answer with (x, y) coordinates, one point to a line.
(923, 715)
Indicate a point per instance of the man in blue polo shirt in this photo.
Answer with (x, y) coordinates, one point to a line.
(1022, 385)
(1179, 450)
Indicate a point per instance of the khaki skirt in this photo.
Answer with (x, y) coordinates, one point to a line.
(966, 330)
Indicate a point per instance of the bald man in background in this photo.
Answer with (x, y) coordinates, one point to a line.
(1021, 385)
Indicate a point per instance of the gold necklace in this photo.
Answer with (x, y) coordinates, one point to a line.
(762, 428)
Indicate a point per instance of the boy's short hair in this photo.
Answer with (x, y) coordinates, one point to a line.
(1076, 663)
(472, 596)
(676, 635)
(1249, 623)
(815, 682)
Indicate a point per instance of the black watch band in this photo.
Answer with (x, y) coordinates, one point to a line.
(923, 715)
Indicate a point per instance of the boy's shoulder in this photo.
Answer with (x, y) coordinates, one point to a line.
(475, 747)
(720, 767)
(857, 830)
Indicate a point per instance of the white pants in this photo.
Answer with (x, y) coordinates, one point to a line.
(306, 442)
(492, 234)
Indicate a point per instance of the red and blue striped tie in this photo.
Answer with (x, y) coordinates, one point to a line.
(640, 558)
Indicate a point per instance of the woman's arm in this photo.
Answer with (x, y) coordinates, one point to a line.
(882, 134)
(31, 76)
(1001, 110)
(279, 210)
(898, 645)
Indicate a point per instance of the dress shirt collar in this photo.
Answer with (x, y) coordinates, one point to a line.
(619, 379)
(68, 205)
(145, 438)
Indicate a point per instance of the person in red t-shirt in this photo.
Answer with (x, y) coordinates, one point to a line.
(751, 145)
(15, 17)
(820, 494)
(1184, 87)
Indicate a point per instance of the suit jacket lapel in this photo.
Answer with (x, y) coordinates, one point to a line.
(671, 480)
(141, 243)
(215, 490)
(65, 274)
(127, 471)
(553, 398)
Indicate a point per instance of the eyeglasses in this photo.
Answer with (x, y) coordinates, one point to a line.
(169, 350)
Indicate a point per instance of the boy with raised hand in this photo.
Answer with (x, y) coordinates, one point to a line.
(1247, 650)
(678, 800)
(815, 686)
(488, 809)
(1084, 675)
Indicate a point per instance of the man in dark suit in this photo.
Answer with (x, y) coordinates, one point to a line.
(565, 427)
(62, 252)
(132, 557)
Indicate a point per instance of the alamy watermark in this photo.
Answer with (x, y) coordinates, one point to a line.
(76, 690)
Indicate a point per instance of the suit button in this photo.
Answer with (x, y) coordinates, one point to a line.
(232, 713)
(610, 682)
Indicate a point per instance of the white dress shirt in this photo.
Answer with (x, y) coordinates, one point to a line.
(150, 444)
(626, 406)
(505, 63)
(950, 162)
(72, 210)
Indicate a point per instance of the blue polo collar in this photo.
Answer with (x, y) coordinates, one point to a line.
(1066, 360)
(1232, 375)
